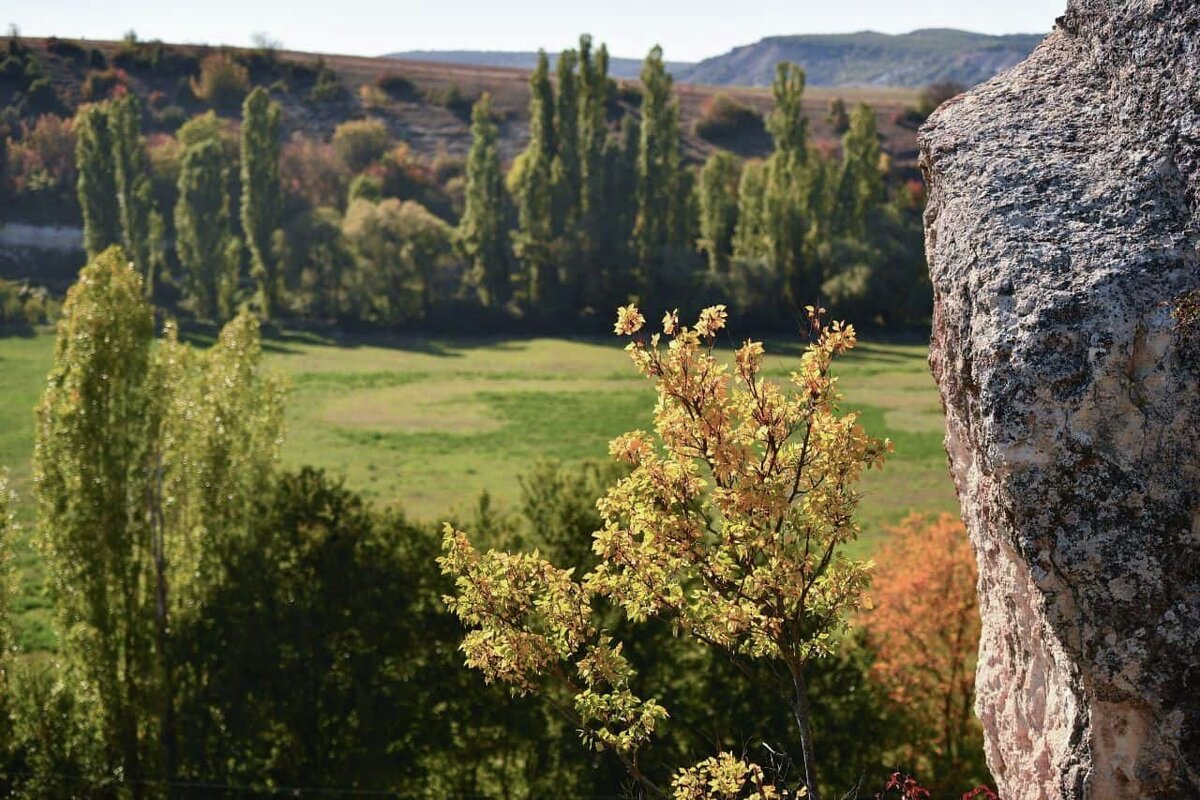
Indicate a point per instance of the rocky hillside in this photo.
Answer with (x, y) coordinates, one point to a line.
(526, 60)
(871, 59)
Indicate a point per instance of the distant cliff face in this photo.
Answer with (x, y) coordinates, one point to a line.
(913, 59)
(1063, 223)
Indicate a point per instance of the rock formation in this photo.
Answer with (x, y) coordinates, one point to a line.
(1061, 230)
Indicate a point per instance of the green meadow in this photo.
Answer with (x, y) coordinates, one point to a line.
(429, 424)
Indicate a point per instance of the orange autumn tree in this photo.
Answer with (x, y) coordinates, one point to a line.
(730, 526)
(925, 630)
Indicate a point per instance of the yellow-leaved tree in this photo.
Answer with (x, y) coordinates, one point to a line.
(730, 525)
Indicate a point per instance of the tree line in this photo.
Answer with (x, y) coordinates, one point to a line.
(599, 208)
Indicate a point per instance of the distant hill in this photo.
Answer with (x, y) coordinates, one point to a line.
(517, 59)
(911, 60)
(870, 59)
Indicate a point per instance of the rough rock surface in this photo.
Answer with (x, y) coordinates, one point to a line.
(1062, 227)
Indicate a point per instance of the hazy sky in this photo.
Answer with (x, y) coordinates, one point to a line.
(687, 29)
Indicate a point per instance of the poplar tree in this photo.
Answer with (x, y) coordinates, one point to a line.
(481, 235)
(533, 240)
(749, 239)
(141, 223)
(262, 195)
(861, 182)
(207, 249)
(146, 461)
(658, 160)
(97, 182)
(785, 209)
(717, 194)
(593, 125)
(566, 127)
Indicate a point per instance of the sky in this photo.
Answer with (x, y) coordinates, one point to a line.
(688, 30)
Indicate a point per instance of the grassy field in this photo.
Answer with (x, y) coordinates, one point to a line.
(429, 424)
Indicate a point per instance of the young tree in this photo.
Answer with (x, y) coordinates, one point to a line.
(730, 526)
(925, 630)
(481, 235)
(717, 195)
(97, 183)
(658, 161)
(262, 195)
(207, 249)
(141, 224)
(534, 237)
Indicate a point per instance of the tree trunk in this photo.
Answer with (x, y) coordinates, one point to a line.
(800, 711)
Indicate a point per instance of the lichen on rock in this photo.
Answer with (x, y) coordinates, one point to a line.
(1062, 228)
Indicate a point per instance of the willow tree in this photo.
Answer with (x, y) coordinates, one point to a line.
(658, 160)
(481, 235)
(262, 195)
(96, 186)
(146, 460)
(141, 224)
(731, 527)
(533, 240)
(207, 249)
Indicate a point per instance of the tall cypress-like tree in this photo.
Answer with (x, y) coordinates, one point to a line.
(785, 206)
(658, 162)
(717, 191)
(749, 239)
(97, 183)
(593, 125)
(262, 195)
(204, 242)
(533, 240)
(566, 127)
(141, 223)
(861, 182)
(481, 236)
(138, 449)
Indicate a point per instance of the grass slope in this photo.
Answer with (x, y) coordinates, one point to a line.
(429, 424)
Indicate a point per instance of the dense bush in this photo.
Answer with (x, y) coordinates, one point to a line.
(222, 82)
(397, 86)
(44, 157)
(101, 83)
(723, 120)
(360, 143)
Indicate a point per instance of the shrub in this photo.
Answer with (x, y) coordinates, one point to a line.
(371, 96)
(45, 156)
(453, 100)
(326, 86)
(100, 84)
(359, 143)
(223, 82)
(396, 86)
(723, 120)
(311, 170)
(66, 50)
(925, 631)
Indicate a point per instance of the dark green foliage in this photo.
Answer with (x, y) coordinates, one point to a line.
(658, 168)
(481, 236)
(204, 242)
(717, 195)
(97, 186)
(397, 86)
(141, 224)
(262, 196)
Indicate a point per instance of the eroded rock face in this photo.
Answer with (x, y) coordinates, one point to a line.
(1062, 226)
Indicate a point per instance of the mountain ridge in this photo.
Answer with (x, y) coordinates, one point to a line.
(862, 58)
